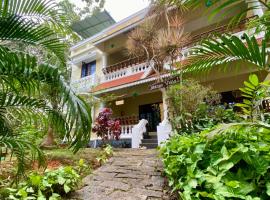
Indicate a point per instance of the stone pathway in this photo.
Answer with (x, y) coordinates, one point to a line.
(128, 175)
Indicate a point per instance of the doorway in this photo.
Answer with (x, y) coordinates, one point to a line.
(150, 112)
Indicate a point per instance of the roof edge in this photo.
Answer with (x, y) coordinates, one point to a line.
(141, 12)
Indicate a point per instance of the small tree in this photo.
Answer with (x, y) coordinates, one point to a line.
(160, 38)
(105, 126)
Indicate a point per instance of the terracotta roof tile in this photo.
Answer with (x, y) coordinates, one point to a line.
(117, 82)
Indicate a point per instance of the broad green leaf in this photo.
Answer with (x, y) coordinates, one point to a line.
(253, 78)
(67, 188)
(268, 188)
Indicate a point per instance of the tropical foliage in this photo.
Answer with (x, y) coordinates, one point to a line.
(105, 127)
(160, 38)
(227, 160)
(254, 94)
(41, 24)
(230, 161)
(194, 107)
(50, 185)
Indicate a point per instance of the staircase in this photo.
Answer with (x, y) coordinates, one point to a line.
(151, 142)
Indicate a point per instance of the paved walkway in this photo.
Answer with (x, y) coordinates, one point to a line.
(129, 175)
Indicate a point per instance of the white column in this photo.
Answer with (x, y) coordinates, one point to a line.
(164, 129)
(258, 10)
(165, 105)
(104, 60)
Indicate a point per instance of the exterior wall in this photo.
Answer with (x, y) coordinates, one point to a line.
(131, 105)
(99, 72)
(76, 71)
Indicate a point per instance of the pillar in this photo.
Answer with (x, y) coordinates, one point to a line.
(165, 105)
(104, 60)
(164, 129)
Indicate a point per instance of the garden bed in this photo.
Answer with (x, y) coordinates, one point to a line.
(55, 159)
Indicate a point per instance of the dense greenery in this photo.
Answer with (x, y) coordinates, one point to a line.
(52, 184)
(194, 107)
(227, 160)
(230, 161)
(24, 77)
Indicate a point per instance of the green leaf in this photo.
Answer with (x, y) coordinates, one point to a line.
(233, 184)
(252, 87)
(67, 188)
(268, 188)
(253, 78)
(193, 183)
(61, 180)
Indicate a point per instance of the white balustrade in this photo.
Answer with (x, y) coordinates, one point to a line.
(126, 131)
(164, 131)
(84, 84)
(137, 133)
(130, 70)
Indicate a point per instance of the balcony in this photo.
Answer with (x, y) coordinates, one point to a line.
(125, 68)
(241, 26)
(84, 84)
(139, 64)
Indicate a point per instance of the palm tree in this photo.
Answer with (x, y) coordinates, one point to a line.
(41, 24)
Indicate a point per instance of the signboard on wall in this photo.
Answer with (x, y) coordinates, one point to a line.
(165, 83)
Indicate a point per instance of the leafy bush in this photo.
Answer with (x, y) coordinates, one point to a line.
(231, 161)
(106, 153)
(105, 126)
(189, 106)
(52, 185)
(254, 93)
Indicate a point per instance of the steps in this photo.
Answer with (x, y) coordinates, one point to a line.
(151, 142)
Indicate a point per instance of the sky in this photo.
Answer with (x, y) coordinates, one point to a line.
(120, 9)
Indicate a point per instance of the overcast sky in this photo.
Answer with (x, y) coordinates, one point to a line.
(120, 9)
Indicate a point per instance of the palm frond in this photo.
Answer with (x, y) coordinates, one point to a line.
(24, 151)
(15, 28)
(226, 48)
(41, 11)
(23, 70)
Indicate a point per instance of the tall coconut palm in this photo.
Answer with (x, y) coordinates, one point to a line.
(41, 24)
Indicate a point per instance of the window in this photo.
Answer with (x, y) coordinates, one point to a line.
(88, 69)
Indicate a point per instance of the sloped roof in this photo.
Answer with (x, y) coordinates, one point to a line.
(93, 25)
(118, 82)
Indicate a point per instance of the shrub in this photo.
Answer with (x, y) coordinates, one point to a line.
(231, 161)
(52, 185)
(187, 102)
(105, 126)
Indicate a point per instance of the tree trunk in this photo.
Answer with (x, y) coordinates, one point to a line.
(49, 139)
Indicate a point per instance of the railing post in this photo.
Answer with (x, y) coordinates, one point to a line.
(137, 133)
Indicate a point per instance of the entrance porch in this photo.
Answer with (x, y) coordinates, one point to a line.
(132, 109)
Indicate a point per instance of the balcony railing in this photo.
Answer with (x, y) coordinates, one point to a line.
(84, 84)
(124, 64)
(126, 71)
(139, 63)
(219, 30)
